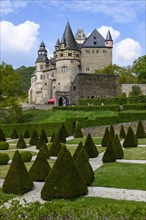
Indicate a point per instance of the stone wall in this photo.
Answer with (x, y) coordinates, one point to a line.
(126, 88)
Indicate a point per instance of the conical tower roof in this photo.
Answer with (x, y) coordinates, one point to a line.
(108, 37)
(42, 54)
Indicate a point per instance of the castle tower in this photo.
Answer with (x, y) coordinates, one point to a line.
(108, 40)
(67, 57)
(42, 60)
(80, 36)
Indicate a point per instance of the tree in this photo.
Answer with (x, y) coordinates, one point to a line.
(45, 150)
(136, 91)
(10, 89)
(79, 147)
(55, 147)
(118, 150)
(111, 135)
(122, 132)
(62, 135)
(26, 134)
(14, 134)
(78, 132)
(43, 136)
(21, 143)
(140, 132)
(109, 155)
(2, 135)
(90, 147)
(34, 138)
(105, 138)
(131, 139)
(52, 137)
(139, 68)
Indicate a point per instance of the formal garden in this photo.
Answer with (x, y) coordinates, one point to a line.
(52, 148)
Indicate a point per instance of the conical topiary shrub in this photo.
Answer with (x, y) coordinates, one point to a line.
(55, 147)
(40, 167)
(131, 139)
(90, 147)
(21, 143)
(140, 132)
(82, 162)
(14, 134)
(64, 130)
(61, 135)
(52, 137)
(39, 143)
(79, 147)
(109, 155)
(34, 138)
(45, 150)
(78, 132)
(64, 179)
(2, 135)
(118, 150)
(17, 180)
(26, 134)
(43, 136)
(105, 138)
(111, 135)
(122, 132)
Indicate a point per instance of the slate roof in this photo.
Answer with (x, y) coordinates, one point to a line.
(94, 40)
(109, 37)
(42, 54)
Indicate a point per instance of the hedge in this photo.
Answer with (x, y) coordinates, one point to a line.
(26, 156)
(4, 145)
(4, 158)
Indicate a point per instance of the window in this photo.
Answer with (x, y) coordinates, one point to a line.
(104, 51)
(70, 54)
(87, 69)
(45, 84)
(77, 55)
(72, 61)
(41, 77)
(97, 51)
(74, 88)
(47, 76)
(92, 51)
(87, 51)
(61, 55)
(94, 37)
(41, 67)
(64, 69)
(94, 42)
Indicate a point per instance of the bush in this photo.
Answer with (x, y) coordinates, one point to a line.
(52, 137)
(39, 143)
(62, 135)
(45, 150)
(55, 147)
(17, 180)
(14, 134)
(2, 135)
(90, 147)
(111, 135)
(78, 132)
(26, 156)
(4, 145)
(4, 158)
(64, 180)
(122, 132)
(79, 147)
(109, 155)
(26, 134)
(105, 138)
(82, 162)
(118, 150)
(131, 139)
(140, 132)
(34, 138)
(21, 143)
(43, 136)
(40, 168)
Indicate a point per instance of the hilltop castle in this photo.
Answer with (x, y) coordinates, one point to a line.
(70, 74)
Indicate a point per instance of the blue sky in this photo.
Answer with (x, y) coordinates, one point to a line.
(25, 23)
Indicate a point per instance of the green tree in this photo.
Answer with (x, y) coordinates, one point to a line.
(139, 68)
(2, 135)
(118, 150)
(131, 139)
(140, 132)
(78, 132)
(136, 91)
(10, 89)
(90, 147)
(21, 143)
(105, 138)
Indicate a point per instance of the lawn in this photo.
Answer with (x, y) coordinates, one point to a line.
(77, 140)
(11, 152)
(142, 141)
(121, 175)
(135, 153)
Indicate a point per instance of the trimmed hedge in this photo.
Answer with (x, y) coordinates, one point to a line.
(4, 145)
(2, 135)
(26, 156)
(4, 158)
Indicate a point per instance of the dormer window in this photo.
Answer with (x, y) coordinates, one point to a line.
(94, 42)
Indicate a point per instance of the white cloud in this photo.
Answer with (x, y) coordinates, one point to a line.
(8, 6)
(21, 37)
(126, 51)
(104, 29)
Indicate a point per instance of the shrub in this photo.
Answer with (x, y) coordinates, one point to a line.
(118, 150)
(39, 143)
(21, 143)
(4, 158)
(131, 139)
(105, 138)
(40, 167)
(2, 135)
(90, 147)
(79, 147)
(64, 179)
(45, 150)
(122, 132)
(109, 155)
(26, 156)
(26, 134)
(62, 135)
(14, 134)
(52, 137)
(17, 180)
(64, 130)
(55, 147)
(43, 136)
(82, 162)
(140, 132)
(78, 132)
(111, 135)
(4, 145)
(34, 138)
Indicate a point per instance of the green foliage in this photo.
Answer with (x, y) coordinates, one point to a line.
(4, 145)
(64, 180)
(43, 136)
(39, 143)
(140, 132)
(139, 68)
(26, 134)
(4, 158)
(122, 132)
(45, 150)
(64, 130)
(14, 134)
(111, 135)
(21, 143)
(40, 167)
(62, 135)
(105, 138)
(78, 132)
(90, 147)
(55, 147)
(34, 138)
(131, 139)
(82, 162)
(118, 150)
(136, 91)
(2, 135)
(79, 147)
(52, 137)
(109, 155)
(17, 180)
(26, 156)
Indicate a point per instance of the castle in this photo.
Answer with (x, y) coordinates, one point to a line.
(70, 74)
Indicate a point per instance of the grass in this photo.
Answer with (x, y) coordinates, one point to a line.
(77, 140)
(142, 141)
(11, 153)
(135, 153)
(121, 175)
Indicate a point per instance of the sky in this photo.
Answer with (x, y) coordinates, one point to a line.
(24, 24)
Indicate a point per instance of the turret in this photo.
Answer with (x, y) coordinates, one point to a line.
(42, 60)
(108, 40)
(80, 36)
